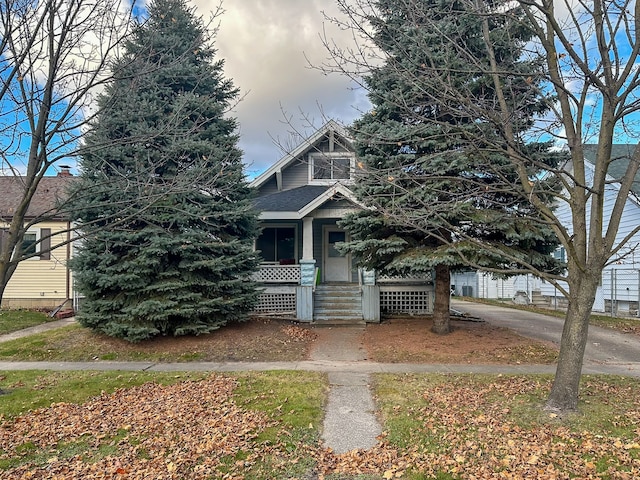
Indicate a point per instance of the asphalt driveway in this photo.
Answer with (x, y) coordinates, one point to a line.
(604, 346)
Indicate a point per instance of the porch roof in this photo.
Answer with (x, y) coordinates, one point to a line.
(621, 155)
(299, 202)
(292, 200)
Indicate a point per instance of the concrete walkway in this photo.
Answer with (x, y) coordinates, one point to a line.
(350, 422)
(43, 327)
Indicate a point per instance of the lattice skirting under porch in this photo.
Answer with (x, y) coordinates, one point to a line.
(281, 301)
(409, 299)
(405, 299)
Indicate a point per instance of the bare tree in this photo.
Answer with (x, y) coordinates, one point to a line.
(588, 80)
(54, 58)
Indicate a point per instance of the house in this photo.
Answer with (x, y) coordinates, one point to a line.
(42, 281)
(301, 198)
(619, 291)
(303, 275)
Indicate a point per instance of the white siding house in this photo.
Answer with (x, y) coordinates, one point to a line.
(620, 285)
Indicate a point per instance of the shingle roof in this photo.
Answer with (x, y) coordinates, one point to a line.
(50, 191)
(621, 153)
(290, 200)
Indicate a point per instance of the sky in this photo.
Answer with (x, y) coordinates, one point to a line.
(268, 46)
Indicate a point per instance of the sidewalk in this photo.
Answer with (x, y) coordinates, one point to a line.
(366, 367)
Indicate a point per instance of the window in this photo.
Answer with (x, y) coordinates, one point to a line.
(335, 237)
(29, 243)
(277, 244)
(330, 166)
(37, 244)
(560, 254)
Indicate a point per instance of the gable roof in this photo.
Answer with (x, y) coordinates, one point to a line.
(304, 146)
(621, 154)
(50, 191)
(290, 200)
(297, 203)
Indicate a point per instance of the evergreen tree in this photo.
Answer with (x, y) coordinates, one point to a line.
(169, 222)
(433, 190)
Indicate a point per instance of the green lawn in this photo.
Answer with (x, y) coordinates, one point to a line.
(488, 426)
(13, 320)
(72, 421)
(246, 341)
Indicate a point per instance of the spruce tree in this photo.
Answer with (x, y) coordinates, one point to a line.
(432, 189)
(162, 198)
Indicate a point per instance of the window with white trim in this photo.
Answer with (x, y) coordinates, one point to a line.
(36, 244)
(30, 243)
(330, 167)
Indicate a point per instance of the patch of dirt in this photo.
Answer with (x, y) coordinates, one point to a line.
(410, 340)
(259, 339)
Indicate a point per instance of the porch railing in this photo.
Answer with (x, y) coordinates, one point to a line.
(274, 273)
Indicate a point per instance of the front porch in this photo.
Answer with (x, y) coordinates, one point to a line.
(305, 276)
(295, 291)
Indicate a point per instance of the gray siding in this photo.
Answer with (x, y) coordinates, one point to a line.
(296, 175)
(269, 187)
(324, 145)
(340, 203)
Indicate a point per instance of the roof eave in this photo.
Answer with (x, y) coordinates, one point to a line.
(302, 148)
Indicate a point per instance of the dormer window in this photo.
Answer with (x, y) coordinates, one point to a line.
(330, 167)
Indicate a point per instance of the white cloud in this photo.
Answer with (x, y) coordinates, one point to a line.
(267, 46)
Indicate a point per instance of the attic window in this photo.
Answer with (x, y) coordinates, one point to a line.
(330, 167)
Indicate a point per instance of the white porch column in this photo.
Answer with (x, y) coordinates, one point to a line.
(307, 238)
(304, 292)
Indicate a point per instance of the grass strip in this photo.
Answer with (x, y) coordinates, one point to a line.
(14, 320)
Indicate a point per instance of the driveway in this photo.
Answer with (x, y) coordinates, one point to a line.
(604, 346)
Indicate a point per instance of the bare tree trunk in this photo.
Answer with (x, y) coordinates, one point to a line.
(441, 317)
(564, 392)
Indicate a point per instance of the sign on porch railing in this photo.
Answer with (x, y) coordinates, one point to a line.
(274, 273)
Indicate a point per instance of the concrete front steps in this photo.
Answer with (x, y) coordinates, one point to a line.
(338, 304)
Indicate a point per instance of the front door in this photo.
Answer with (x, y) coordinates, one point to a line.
(336, 265)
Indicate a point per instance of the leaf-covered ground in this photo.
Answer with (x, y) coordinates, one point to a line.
(410, 340)
(454, 427)
(466, 428)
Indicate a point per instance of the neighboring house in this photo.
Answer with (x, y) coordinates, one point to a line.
(620, 286)
(42, 281)
(301, 198)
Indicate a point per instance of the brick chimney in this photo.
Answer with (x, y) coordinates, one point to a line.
(65, 171)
